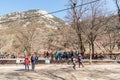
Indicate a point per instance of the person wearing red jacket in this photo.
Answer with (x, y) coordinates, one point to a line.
(27, 62)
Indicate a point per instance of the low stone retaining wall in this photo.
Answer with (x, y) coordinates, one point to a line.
(47, 61)
(14, 61)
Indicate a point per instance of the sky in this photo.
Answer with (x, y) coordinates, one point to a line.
(9, 6)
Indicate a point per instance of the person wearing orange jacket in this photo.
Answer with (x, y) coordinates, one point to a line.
(27, 63)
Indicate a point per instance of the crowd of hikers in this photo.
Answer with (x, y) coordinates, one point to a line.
(61, 56)
(56, 57)
(65, 56)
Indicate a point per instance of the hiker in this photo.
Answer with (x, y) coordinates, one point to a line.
(51, 57)
(27, 63)
(96, 55)
(82, 54)
(80, 60)
(101, 55)
(56, 57)
(68, 56)
(60, 56)
(47, 54)
(34, 59)
(74, 62)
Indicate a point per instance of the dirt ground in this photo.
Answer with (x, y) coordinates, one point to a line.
(110, 71)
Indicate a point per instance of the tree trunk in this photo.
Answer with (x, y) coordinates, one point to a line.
(92, 46)
(90, 54)
(81, 46)
(118, 8)
(119, 14)
(110, 54)
(77, 28)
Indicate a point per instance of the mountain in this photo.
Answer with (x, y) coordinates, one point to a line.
(32, 30)
(42, 16)
(36, 31)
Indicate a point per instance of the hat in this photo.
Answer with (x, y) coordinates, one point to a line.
(26, 57)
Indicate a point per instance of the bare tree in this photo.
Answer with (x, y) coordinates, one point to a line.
(26, 37)
(69, 37)
(110, 40)
(5, 40)
(75, 16)
(2, 42)
(94, 24)
(117, 2)
(111, 35)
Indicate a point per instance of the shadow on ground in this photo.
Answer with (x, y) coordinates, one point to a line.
(118, 62)
(20, 70)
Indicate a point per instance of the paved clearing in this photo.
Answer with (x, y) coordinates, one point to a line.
(61, 72)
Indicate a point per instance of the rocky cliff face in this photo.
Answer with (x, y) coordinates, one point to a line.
(42, 17)
(32, 30)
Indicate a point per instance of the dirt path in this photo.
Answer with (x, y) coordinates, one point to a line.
(61, 72)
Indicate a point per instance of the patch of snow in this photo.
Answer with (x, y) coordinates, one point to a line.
(45, 14)
(66, 23)
(52, 27)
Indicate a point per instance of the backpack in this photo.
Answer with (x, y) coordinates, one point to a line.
(80, 59)
(32, 59)
(36, 58)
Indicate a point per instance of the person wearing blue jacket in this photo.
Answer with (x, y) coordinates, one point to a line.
(34, 59)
